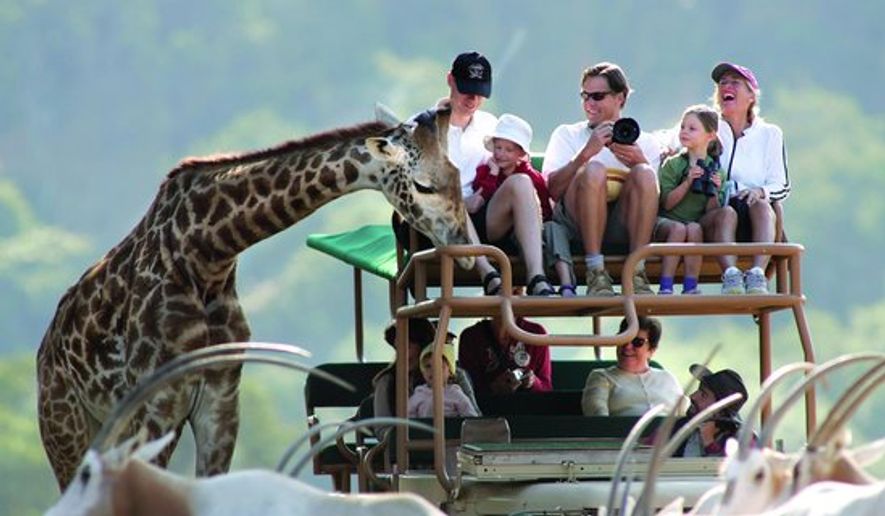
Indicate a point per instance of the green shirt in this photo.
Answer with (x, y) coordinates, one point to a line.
(693, 205)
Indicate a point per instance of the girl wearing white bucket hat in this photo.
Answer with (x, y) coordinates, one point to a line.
(513, 199)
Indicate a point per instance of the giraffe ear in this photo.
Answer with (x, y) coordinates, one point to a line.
(385, 150)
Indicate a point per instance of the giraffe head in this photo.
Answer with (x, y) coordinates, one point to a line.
(420, 181)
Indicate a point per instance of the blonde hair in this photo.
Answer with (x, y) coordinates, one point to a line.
(709, 119)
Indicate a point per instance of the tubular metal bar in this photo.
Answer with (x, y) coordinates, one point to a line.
(765, 362)
(358, 312)
(507, 306)
(439, 438)
(597, 330)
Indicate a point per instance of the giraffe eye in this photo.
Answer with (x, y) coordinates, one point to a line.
(423, 188)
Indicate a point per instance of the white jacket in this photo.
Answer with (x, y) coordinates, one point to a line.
(756, 159)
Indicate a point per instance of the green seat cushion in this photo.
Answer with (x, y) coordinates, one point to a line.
(371, 248)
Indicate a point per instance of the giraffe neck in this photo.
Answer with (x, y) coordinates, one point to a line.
(233, 204)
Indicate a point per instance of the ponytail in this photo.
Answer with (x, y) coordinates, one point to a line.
(714, 149)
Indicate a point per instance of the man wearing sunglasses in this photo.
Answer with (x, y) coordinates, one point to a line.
(580, 163)
(632, 387)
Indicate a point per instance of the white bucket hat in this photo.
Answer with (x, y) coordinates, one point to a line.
(511, 127)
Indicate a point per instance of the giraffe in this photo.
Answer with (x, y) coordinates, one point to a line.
(169, 286)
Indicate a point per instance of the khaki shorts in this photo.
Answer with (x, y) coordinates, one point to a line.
(562, 237)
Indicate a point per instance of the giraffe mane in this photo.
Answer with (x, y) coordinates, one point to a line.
(317, 140)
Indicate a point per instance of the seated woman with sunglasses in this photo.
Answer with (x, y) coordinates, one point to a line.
(632, 387)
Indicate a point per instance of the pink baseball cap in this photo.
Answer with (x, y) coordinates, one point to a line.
(743, 71)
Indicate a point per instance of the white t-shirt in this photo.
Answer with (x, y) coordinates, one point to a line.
(466, 148)
(760, 158)
(568, 139)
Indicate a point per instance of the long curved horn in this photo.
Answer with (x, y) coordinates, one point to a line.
(297, 443)
(804, 386)
(350, 426)
(848, 403)
(696, 422)
(232, 353)
(665, 447)
(662, 435)
(627, 447)
(768, 386)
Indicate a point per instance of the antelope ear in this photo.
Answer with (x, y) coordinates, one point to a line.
(384, 150)
(385, 115)
(868, 454)
(153, 448)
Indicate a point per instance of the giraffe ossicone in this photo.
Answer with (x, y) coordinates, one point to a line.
(169, 286)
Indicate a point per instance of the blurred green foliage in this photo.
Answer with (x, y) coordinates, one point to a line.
(98, 100)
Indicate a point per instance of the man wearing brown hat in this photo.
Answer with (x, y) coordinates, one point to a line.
(709, 440)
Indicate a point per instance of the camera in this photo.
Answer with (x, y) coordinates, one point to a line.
(625, 131)
(704, 184)
(517, 374)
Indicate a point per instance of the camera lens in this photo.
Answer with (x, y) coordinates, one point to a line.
(625, 131)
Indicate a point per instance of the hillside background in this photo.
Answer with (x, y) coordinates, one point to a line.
(99, 100)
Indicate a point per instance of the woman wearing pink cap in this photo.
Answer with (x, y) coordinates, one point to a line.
(754, 160)
(510, 199)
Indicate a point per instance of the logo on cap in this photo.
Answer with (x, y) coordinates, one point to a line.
(475, 71)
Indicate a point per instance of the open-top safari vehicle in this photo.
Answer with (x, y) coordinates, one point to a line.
(534, 452)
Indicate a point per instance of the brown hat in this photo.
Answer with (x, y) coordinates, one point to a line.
(421, 331)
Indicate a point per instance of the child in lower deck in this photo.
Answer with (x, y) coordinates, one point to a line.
(691, 187)
(455, 402)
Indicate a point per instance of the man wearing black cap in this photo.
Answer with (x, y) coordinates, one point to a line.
(709, 440)
(470, 83)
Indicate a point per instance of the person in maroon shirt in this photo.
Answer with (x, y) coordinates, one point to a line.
(513, 199)
(499, 364)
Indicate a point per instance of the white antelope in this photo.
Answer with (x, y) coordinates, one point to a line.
(760, 479)
(121, 482)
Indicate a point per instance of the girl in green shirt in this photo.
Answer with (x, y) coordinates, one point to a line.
(691, 186)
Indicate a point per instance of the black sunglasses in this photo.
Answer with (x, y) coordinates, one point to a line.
(638, 342)
(595, 95)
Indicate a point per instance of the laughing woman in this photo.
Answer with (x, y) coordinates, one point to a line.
(754, 160)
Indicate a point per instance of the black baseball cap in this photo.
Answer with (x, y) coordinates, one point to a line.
(473, 74)
(721, 383)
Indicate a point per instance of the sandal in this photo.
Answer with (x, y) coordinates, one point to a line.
(539, 285)
(567, 290)
(487, 287)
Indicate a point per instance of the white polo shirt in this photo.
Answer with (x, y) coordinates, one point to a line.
(568, 139)
(756, 159)
(466, 148)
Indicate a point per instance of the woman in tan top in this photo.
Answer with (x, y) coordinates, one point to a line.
(632, 386)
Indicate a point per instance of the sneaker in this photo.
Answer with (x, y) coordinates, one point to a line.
(732, 282)
(691, 292)
(755, 281)
(641, 284)
(599, 283)
(665, 291)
